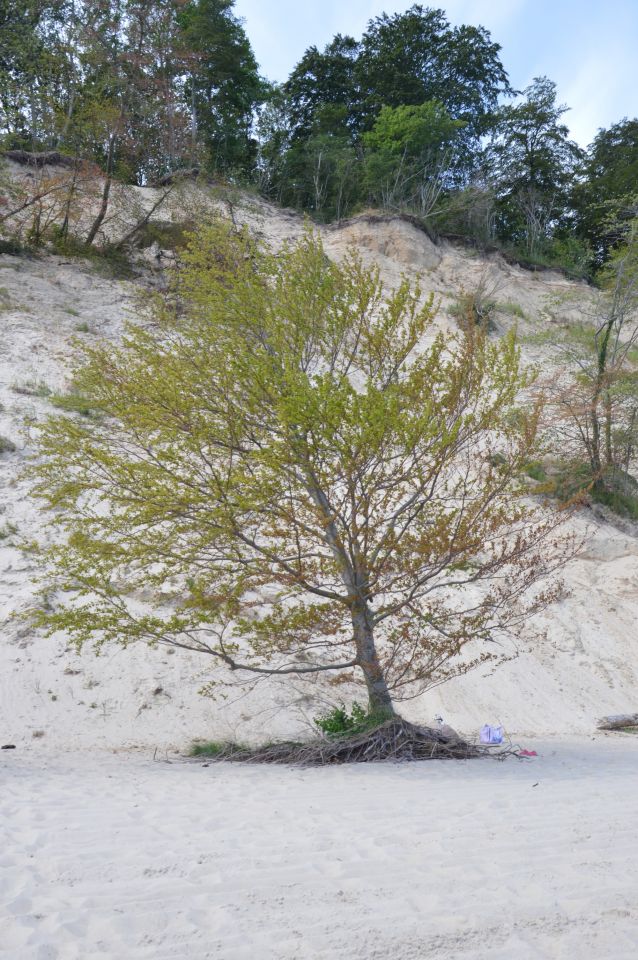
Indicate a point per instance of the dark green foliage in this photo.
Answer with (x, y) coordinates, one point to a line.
(531, 165)
(223, 87)
(416, 56)
(167, 234)
(315, 155)
(34, 69)
(321, 90)
(12, 247)
(607, 193)
(140, 87)
(536, 471)
(338, 721)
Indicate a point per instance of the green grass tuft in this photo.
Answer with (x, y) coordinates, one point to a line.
(74, 402)
(536, 471)
(31, 388)
(214, 748)
(511, 309)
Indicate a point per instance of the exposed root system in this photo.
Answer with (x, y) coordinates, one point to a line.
(395, 739)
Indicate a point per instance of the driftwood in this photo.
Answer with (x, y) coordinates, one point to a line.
(618, 721)
(394, 740)
(50, 158)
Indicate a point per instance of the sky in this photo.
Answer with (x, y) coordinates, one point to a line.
(588, 47)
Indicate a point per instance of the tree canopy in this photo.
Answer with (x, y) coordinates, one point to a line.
(292, 471)
(606, 197)
(144, 86)
(144, 89)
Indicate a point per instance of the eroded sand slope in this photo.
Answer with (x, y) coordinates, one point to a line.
(49, 694)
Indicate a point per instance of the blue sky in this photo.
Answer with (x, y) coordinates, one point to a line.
(588, 47)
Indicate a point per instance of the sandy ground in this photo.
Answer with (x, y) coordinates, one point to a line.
(120, 857)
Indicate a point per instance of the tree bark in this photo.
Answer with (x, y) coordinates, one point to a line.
(379, 697)
(97, 223)
(597, 465)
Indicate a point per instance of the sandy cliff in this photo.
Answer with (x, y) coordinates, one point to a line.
(586, 667)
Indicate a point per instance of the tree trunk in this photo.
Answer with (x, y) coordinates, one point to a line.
(597, 465)
(193, 121)
(97, 223)
(64, 231)
(595, 458)
(609, 450)
(379, 697)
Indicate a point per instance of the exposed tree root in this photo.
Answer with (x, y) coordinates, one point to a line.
(395, 739)
(49, 158)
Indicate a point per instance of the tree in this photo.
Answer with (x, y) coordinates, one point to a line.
(224, 87)
(414, 57)
(320, 172)
(35, 70)
(408, 154)
(598, 404)
(297, 483)
(320, 81)
(177, 75)
(606, 196)
(532, 162)
(333, 99)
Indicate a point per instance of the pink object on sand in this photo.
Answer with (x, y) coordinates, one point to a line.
(527, 753)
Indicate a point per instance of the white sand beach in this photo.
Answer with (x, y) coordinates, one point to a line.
(120, 857)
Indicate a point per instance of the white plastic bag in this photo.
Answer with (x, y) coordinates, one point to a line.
(491, 734)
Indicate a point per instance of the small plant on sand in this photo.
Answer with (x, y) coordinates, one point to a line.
(512, 309)
(338, 721)
(32, 388)
(294, 484)
(74, 401)
(209, 748)
(468, 308)
(478, 305)
(536, 471)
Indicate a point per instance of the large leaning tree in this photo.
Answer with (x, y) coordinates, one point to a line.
(292, 471)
